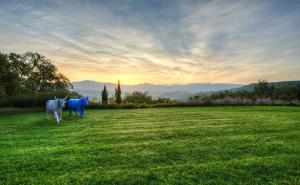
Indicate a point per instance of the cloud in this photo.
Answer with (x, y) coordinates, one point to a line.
(158, 42)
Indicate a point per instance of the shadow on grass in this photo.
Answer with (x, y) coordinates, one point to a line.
(66, 120)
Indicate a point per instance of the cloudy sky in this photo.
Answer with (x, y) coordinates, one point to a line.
(161, 42)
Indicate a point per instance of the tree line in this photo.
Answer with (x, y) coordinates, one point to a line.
(263, 91)
(30, 79)
(135, 97)
(29, 73)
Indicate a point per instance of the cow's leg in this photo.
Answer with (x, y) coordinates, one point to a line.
(76, 113)
(56, 116)
(47, 115)
(70, 112)
(81, 113)
(60, 113)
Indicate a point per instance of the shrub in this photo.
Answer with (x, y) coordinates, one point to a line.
(97, 105)
(138, 98)
(37, 100)
(143, 105)
(263, 101)
(129, 106)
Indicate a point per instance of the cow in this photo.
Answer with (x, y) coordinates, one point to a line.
(55, 106)
(78, 105)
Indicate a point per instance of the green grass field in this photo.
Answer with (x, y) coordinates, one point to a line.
(191, 145)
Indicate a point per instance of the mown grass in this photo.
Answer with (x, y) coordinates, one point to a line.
(187, 145)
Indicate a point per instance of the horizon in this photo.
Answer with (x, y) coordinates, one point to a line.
(184, 83)
(146, 83)
(159, 42)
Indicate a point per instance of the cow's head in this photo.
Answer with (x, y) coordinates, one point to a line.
(61, 102)
(85, 101)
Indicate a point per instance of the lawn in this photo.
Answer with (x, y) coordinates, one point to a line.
(190, 145)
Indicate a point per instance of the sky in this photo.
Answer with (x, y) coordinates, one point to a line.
(160, 42)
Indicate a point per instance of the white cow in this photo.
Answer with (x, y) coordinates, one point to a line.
(55, 107)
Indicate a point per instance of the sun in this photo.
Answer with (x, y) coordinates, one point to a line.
(127, 80)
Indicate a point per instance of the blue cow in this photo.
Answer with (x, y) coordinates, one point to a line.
(78, 105)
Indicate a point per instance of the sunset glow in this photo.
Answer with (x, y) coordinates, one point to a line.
(157, 41)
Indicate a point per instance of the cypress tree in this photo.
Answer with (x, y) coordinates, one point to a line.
(104, 96)
(118, 93)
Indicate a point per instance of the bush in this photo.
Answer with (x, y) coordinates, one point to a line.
(129, 106)
(263, 94)
(143, 105)
(96, 105)
(38, 100)
(138, 98)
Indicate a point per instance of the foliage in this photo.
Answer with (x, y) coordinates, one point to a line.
(263, 94)
(112, 100)
(29, 80)
(104, 95)
(36, 100)
(164, 101)
(9, 79)
(138, 98)
(263, 89)
(29, 73)
(289, 92)
(118, 93)
(188, 145)
(96, 105)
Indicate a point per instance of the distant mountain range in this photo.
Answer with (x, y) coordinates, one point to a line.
(250, 87)
(179, 92)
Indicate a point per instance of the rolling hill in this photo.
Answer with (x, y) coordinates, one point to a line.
(250, 87)
(176, 91)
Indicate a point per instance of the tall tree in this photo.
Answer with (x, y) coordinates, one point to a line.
(20, 65)
(118, 93)
(43, 75)
(29, 73)
(9, 79)
(263, 89)
(138, 97)
(104, 95)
